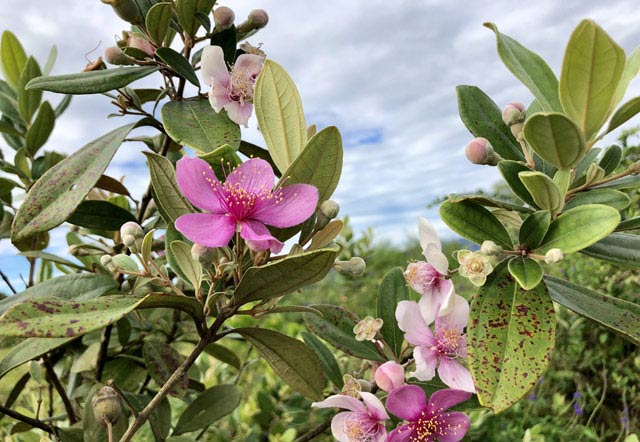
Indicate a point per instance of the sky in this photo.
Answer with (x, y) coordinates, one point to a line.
(383, 72)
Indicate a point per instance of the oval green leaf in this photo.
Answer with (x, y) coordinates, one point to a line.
(392, 290)
(556, 139)
(330, 366)
(474, 222)
(624, 113)
(208, 407)
(94, 82)
(12, 58)
(169, 200)
(622, 249)
(510, 170)
(609, 197)
(29, 100)
(100, 215)
(41, 129)
(158, 20)
(543, 190)
(223, 354)
(27, 350)
(526, 271)
(181, 65)
(534, 228)
(191, 268)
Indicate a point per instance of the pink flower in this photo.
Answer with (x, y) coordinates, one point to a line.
(446, 348)
(231, 91)
(427, 421)
(362, 423)
(389, 376)
(244, 203)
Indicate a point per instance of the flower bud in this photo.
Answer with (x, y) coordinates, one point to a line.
(201, 253)
(259, 18)
(106, 406)
(114, 55)
(480, 151)
(365, 385)
(223, 16)
(142, 44)
(553, 256)
(634, 168)
(107, 262)
(355, 266)
(367, 329)
(490, 248)
(126, 10)
(351, 386)
(513, 116)
(96, 65)
(594, 173)
(132, 235)
(389, 376)
(330, 209)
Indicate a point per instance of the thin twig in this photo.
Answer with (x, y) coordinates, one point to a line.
(27, 420)
(6, 280)
(102, 353)
(315, 431)
(53, 379)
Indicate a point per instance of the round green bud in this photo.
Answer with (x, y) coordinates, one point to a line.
(330, 209)
(106, 406)
(132, 235)
(355, 266)
(553, 256)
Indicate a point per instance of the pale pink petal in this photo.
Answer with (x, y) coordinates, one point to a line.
(454, 375)
(238, 112)
(458, 315)
(259, 238)
(427, 234)
(218, 97)
(288, 206)
(457, 425)
(436, 258)
(198, 183)
(250, 64)
(255, 176)
(341, 401)
(375, 407)
(407, 402)
(426, 360)
(208, 229)
(447, 296)
(442, 400)
(411, 322)
(338, 426)
(213, 66)
(402, 433)
(381, 435)
(428, 305)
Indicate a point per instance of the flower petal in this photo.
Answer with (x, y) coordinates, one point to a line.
(238, 112)
(259, 238)
(436, 258)
(250, 64)
(454, 375)
(218, 97)
(427, 234)
(447, 296)
(198, 183)
(426, 360)
(213, 66)
(289, 206)
(457, 425)
(444, 399)
(458, 315)
(341, 401)
(338, 426)
(407, 402)
(208, 229)
(411, 322)
(402, 433)
(255, 176)
(375, 407)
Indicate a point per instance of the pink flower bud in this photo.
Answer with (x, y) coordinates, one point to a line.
(143, 44)
(513, 113)
(480, 151)
(389, 376)
(259, 18)
(224, 16)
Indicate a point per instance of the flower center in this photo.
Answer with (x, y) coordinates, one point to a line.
(450, 342)
(360, 427)
(476, 266)
(427, 426)
(242, 83)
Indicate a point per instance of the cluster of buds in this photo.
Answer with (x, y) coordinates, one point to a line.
(116, 56)
(480, 151)
(328, 210)
(132, 236)
(256, 20)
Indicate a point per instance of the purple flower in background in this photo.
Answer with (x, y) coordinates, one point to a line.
(244, 203)
(427, 421)
(364, 422)
(446, 348)
(231, 91)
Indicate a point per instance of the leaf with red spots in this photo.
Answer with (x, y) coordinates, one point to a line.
(162, 360)
(511, 336)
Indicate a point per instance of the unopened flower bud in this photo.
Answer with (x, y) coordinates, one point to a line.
(553, 256)
(389, 376)
(594, 173)
(355, 266)
(366, 329)
(513, 116)
(107, 262)
(259, 18)
(96, 65)
(351, 386)
(142, 44)
(480, 151)
(330, 209)
(132, 235)
(634, 168)
(365, 385)
(201, 253)
(224, 17)
(114, 55)
(490, 248)
(126, 10)
(106, 406)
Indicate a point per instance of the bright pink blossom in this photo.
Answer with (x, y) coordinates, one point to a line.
(445, 349)
(427, 420)
(231, 91)
(364, 422)
(244, 203)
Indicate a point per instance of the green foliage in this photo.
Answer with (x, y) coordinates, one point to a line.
(94, 82)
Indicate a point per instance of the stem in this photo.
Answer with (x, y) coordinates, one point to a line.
(53, 378)
(124, 399)
(603, 181)
(527, 155)
(32, 270)
(109, 430)
(102, 354)
(26, 419)
(6, 280)
(315, 431)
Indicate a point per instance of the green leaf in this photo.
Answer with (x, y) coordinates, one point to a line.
(392, 290)
(629, 224)
(631, 68)
(556, 139)
(186, 12)
(580, 227)
(60, 190)
(336, 327)
(41, 129)
(330, 366)
(526, 271)
(100, 215)
(280, 115)
(611, 159)
(483, 118)
(627, 182)
(222, 160)
(210, 405)
(624, 113)
(534, 228)
(12, 58)
(530, 69)
(609, 197)
(29, 100)
(616, 314)
(510, 171)
(510, 344)
(293, 361)
(157, 22)
(162, 361)
(180, 65)
(191, 268)
(94, 82)
(223, 354)
(125, 263)
(167, 195)
(31, 348)
(591, 70)
(622, 249)
(51, 60)
(59, 318)
(488, 202)
(474, 222)
(195, 124)
(543, 190)
(52, 258)
(75, 286)
(227, 39)
(285, 275)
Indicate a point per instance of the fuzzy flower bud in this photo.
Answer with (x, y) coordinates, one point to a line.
(107, 262)
(330, 209)
(594, 173)
(366, 329)
(224, 17)
(202, 253)
(126, 10)
(553, 256)
(389, 376)
(114, 55)
(355, 266)
(259, 18)
(106, 406)
(142, 44)
(513, 116)
(490, 248)
(132, 235)
(480, 151)
(475, 266)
